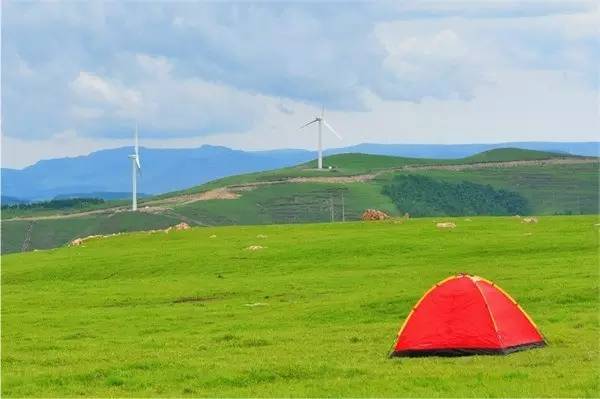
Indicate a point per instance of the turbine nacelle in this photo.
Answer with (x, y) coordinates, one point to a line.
(322, 122)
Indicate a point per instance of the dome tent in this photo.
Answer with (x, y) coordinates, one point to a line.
(466, 315)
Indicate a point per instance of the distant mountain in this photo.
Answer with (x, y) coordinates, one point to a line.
(164, 170)
(452, 151)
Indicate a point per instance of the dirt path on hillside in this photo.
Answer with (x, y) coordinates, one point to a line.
(68, 215)
(507, 164)
(235, 191)
(163, 206)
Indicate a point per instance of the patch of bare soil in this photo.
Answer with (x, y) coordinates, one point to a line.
(333, 179)
(221, 193)
(218, 193)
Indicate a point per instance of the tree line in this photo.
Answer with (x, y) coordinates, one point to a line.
(57, 204)
(424, 196)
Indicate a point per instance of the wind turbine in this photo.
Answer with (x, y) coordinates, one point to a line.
(136, 168)
(322, 122)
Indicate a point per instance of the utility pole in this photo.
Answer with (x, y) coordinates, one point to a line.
(343, 209)
(331, 206)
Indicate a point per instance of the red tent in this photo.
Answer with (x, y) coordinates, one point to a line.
(465, 315)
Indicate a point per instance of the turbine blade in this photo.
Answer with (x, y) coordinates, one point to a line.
(328, 126)
(311, 122)
(137, 162)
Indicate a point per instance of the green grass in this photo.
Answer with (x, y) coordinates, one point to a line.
(166, 315)
(50, 233)
(512, 154)
(363, 163)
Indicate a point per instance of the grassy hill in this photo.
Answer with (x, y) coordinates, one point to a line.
(355, 163)
(312, 314)
(362, 163)
(512, 154)
(548, 183)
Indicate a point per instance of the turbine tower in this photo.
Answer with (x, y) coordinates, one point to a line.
(322, 122)
(136, 168)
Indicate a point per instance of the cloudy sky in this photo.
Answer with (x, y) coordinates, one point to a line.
(77, 75)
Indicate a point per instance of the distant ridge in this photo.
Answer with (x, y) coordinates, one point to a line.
(512, 154)
(453, 151)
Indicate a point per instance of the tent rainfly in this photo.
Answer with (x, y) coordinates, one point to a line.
(466, 315)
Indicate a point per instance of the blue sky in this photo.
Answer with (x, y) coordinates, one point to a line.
(77, 75)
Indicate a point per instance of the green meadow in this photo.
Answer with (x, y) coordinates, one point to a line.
(312, 313)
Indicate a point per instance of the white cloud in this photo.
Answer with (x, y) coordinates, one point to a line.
(163, 104)
(436, 65)
(18, 153)
(90, 88)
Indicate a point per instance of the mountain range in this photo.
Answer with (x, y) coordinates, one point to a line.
(106, 173)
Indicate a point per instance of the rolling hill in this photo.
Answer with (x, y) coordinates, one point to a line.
(103, 173)
(313, 313)
(528, 182)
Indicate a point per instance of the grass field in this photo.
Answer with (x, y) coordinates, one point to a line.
(314, 313)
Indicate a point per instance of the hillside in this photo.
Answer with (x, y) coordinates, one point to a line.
(105, 172)
(543, 183)
(512, 154)
(311, 314)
